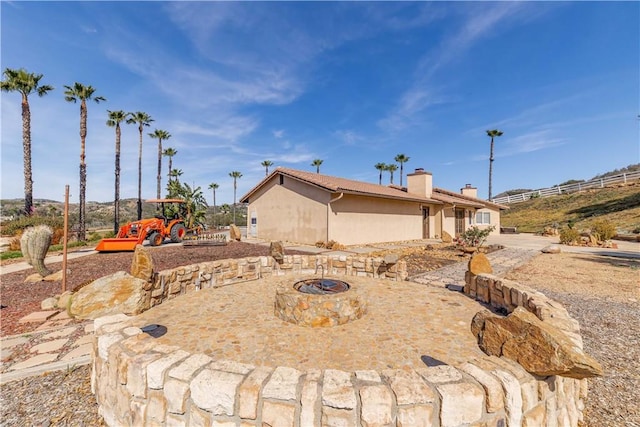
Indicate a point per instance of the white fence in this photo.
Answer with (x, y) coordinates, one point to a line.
(570, 188)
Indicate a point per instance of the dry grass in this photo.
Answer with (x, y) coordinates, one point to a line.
(617, 204)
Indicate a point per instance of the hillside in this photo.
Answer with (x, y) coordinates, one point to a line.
(617, 204)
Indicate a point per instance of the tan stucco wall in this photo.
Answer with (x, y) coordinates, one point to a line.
(495, 220)
(357, 220)
(293, 212)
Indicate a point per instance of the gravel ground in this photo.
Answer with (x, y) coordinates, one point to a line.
(603, 294)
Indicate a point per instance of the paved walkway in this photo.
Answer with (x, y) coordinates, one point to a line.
(58, 342)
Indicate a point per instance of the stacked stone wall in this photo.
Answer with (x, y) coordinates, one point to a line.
(169, 284)
(137, 382)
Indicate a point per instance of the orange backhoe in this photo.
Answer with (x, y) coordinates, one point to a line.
(168, 224)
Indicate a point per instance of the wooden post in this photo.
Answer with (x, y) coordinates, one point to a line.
(64, 238)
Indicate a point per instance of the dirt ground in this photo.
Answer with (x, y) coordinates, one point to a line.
(591, 276)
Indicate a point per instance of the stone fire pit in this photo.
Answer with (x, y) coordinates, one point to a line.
(410, 360)
(320, 302)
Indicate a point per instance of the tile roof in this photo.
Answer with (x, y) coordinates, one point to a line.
(343, 185)
(451, 197)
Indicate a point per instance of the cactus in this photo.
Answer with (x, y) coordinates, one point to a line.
(35, 242)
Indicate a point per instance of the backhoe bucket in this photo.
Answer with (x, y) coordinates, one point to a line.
(117, 244)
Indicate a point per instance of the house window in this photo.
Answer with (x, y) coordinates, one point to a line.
(483, 218)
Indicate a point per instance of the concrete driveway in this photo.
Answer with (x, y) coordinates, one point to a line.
(532, 241)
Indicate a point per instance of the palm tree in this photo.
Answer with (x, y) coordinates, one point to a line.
(114, 120)
(175, 173)
(381, 167)
(25, 83)
(494, 133)
(235, 175)
(170, 152)
(161, 135)
(391, 168)
(213, 186)
(72, 94)
(317, 163)
(402, 159)
(142, 119)
(266, 165)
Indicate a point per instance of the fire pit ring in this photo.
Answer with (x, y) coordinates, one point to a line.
(319, 302)
(321, 286)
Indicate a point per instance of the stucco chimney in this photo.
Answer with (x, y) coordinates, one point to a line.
(420, 182)
(470, 191)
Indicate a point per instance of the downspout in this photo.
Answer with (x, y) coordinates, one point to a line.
(335, 199)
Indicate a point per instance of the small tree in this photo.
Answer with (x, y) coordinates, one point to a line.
(266, 164)
(317, 163)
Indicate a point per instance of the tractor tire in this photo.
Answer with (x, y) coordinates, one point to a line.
(177, 233)
(155, 239)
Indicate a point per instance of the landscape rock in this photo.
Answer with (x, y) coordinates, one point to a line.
(116, 293)
(551, 249)
(49, 304)
(479, 264)
(234, 233)
(33, 278)
(54, 277)
(276, 250)
(142, 264)
(539, 348)
(446, 237)
(63, 301)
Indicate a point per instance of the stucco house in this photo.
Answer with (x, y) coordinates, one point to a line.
(306, 207)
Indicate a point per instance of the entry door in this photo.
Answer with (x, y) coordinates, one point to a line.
(459, 221)
(425, 223)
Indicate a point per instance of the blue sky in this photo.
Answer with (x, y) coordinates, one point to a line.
(351, 83)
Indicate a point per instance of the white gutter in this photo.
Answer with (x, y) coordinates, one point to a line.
(335, 199)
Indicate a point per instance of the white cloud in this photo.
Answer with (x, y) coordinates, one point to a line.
(349, 137)
(278, 133)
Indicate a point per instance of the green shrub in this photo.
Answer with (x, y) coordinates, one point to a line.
(475, 236)
(569, 236)
(17, 226)
(10, 254)
(604, 230)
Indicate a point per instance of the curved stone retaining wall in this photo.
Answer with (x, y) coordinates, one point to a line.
(169, 284)
(137, 382)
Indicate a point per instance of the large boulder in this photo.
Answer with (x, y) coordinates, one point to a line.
(234, 233)
(276, 250)
(142, 264)
(539, 348)
(116, 293)
(446, 237)
(479, 264)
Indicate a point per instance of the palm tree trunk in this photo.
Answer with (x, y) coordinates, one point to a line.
(140, 175)
(401, 170)
(215, 222)
(170, 165)
(83, 171)
(490, 167)
(159, 166)
(26, 156)
(116, 198)
(234, 200)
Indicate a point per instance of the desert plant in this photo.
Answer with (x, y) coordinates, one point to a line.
(35, 242)
(569, 236)
(603, 230)
(475, 236)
